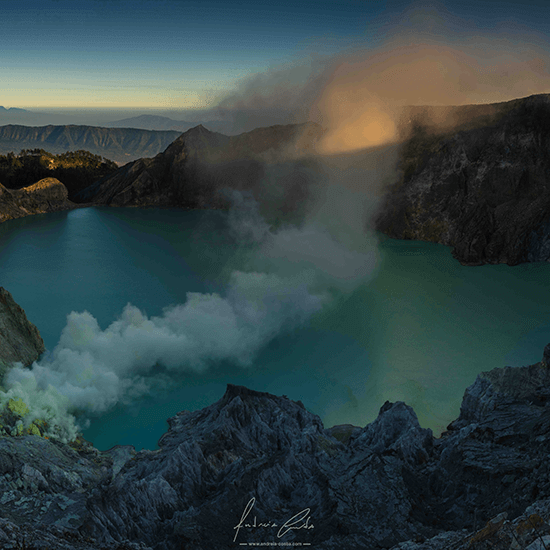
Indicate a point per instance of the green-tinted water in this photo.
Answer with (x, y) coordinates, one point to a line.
(419, 330)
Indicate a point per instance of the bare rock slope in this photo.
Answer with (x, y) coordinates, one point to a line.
(198, 164)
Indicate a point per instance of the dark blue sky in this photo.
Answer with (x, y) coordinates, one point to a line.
(170, 55)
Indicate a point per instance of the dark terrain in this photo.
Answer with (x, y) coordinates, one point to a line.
(76, 169)
(478, 184)
(481, 186)
(485, 483)
(193, 170)
(472, 177)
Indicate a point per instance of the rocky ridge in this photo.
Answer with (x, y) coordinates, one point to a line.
(257, 468)
(481, 186)
(472, 177)
(46, 195)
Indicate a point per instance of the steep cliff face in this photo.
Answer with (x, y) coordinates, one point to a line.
(47, 195)
(19, 339)
(257, 468)
(482, 188)
(200, 163)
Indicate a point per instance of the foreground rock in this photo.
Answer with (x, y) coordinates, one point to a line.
(47, 195)
(19, 338)
(256, 468)
(481, 187)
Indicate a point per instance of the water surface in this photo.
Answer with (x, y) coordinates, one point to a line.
(419, 330)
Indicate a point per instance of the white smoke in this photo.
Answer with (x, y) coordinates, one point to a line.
(291, 274)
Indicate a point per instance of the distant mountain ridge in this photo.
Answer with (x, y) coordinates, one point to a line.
(156, 122)
(152, 122)
(119, 144)
(12, 110)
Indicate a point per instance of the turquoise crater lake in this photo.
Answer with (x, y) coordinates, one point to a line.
(419, 329)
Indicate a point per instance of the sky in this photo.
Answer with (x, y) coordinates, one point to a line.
(169, 55)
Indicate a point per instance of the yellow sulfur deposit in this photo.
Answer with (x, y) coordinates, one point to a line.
(18, 407)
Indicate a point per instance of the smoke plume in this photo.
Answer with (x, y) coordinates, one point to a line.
(423, 57)
(289, 274)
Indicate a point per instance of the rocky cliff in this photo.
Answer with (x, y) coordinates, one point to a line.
(480, 183)
(76, 169)
(19, 338)
(256, 468)
(47, 195)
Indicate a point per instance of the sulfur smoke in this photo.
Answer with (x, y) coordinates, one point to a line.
(422, 57)
(290, 274)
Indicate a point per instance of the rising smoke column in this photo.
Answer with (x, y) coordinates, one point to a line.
(419, 57)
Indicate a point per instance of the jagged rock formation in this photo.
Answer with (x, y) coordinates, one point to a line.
(254, 467)
(45, 486)
(482, 187)
(119, 144)
(19, 338)
(46, 195)
(198, 164)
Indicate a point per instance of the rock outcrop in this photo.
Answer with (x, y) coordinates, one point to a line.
(47, 195)
(482, 186)
(20, 340)
(257, 468)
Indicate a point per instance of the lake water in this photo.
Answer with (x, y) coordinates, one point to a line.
(419, 329)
